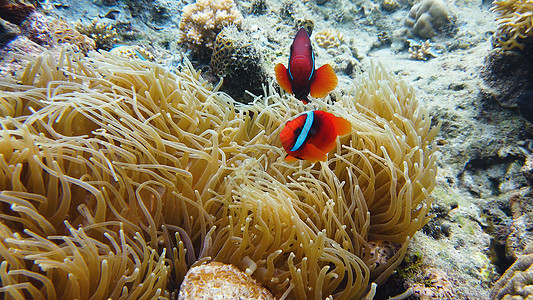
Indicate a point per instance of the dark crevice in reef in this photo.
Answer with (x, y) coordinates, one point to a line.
(499, 257)
(491, 176)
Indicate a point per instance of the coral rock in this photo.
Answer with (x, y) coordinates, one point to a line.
(37, 28)
(427, 17)
(506, 75)
(515, 283)
(8, 32)
(15, 11)
(220, 281)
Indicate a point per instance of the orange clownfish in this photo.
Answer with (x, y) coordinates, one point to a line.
(301, 78)
(311, 135)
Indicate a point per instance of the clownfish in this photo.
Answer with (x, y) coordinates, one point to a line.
(311, 135)
(301, 78)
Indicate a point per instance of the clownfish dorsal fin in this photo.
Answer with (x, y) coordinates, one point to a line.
(324, 81)
(282, 76)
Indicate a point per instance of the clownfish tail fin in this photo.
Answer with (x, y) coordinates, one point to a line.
(324, 81)
(342, 126)
(282, 76)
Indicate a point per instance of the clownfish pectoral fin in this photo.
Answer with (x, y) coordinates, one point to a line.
(313, 154)
(324, 81)
(290, 158)
(342, 126)
(282, 76)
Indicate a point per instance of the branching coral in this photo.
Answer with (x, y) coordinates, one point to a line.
(420, 50)
(515, 22)
(142, 174)
(203, 20)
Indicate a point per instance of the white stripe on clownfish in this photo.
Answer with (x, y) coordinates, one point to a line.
(305, 131)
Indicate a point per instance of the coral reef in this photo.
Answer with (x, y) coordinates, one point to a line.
(520, 235)
(104, 35)
(202, 21)
(118, 171)
(515, 23)
(329, 38)
(516, 284)
(220, 281)
(421, 50)
(236, 59)
(52, 33)
(426, 18)
(258, 7)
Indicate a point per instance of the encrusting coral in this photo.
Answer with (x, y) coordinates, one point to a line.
(515, 23)
(220, 281)
(51, 32)
(63, 33)
(133, 52)
(329, 38)
(118, 171)
(237, 60)
(104, 35)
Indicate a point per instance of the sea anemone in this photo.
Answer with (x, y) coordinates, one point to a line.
(117, 170)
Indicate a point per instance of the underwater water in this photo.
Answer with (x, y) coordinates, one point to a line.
(141, 142)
